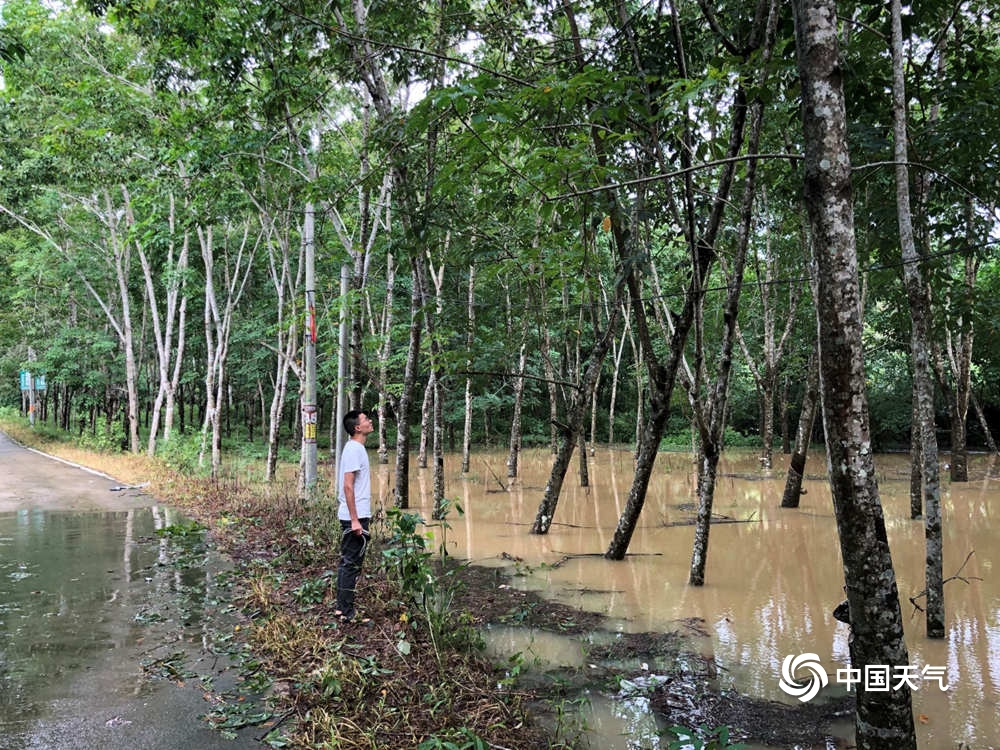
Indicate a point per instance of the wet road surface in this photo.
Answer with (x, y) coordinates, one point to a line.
(109, 633)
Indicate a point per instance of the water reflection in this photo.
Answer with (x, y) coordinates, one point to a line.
(82, 596)
(773, 575)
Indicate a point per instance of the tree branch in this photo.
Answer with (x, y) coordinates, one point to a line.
(956, 577)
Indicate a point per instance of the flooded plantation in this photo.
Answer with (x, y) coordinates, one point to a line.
(773, 578)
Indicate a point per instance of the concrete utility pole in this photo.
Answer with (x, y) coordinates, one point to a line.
(345, 278)
(32, 396)
(309, 358)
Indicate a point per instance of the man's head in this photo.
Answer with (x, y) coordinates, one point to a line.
(356, 422)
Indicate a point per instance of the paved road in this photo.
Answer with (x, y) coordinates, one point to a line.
(85, 598)
(29, 479)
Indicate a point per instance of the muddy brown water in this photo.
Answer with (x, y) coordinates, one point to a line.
(88, 596)
(771, 583)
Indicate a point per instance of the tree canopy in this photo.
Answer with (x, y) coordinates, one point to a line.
(547, 149)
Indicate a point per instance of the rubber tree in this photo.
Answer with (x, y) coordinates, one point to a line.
(803, 434)
(919, 338)
(570, 432)
(700, 241)
(710, 412)
(884, 719)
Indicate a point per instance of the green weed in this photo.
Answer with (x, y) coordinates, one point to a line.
(702, 739)
(313, 590)
(463, 739)
(183, 530)
(103, 439)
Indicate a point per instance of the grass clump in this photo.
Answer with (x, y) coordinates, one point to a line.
(410, 676)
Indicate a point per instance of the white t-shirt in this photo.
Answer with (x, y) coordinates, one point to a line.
(355, 460)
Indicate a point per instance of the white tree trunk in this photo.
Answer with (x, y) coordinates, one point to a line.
(469, 341)
(218, 325)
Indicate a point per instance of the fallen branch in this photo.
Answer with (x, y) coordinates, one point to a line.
(957, 577)
(128, 487)
(271, 727)
(574, 555)
(496, 476)
(716, 518)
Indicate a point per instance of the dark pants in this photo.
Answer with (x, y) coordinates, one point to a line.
(352, 554)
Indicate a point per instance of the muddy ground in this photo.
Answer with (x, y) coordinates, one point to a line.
(684, 691)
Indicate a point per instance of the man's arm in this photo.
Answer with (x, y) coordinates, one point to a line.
(352, 507)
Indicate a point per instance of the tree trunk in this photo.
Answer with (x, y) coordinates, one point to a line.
(175, 379)
(797, 464)
(710, 414)
(916, 456)
(919, 340)
(121, 255)
(438, 447)
(425, 422)
(67, 400)
(593, 417)
(283, 367)
(640, 398)
(983, 425)
(707, 471)
(617, 351)
(437, 374)
(383, 363)
(467, 428)
(959, 444)
(617, 359)
(786, 440)
(181, 424)
(401, 492)
(960, 358)
(648, 447)
(131, 373)
(211, 352)
(550, 378)
(884, 720)
(767, 425)
(515, 420)
(574, 427)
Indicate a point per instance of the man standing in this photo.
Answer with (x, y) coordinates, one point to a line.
(354, 490)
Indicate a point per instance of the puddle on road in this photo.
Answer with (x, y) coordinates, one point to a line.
(87, 599)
